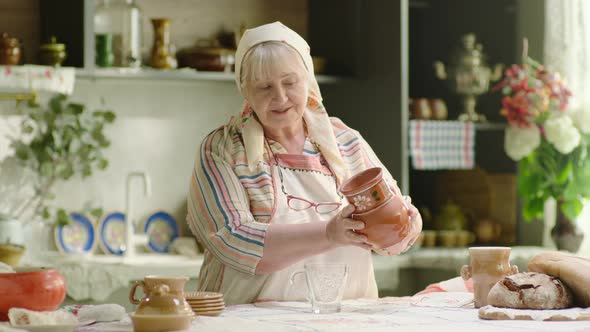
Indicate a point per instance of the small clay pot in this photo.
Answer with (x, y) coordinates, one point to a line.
(52, 53)
(420, 109)
(10, 50)
(438, 108)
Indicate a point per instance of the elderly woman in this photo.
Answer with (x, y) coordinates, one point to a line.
(264, 196)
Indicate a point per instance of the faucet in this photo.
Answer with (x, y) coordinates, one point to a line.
(129, 220)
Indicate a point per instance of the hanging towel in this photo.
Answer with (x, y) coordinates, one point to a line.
(442, 144)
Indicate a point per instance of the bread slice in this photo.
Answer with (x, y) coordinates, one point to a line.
(572, 270)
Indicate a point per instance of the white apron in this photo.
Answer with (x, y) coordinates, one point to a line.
(315, 187)
(239, 287)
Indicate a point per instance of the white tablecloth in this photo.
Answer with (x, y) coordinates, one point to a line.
(431, 312)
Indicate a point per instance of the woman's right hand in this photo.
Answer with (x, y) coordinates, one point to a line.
(340, 231)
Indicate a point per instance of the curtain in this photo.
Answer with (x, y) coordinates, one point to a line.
(567, 50)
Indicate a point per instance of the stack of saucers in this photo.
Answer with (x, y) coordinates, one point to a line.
(205, 303)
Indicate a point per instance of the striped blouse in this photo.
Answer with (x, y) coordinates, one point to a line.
(230, 205)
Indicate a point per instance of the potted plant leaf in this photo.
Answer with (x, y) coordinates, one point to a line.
(56, 143)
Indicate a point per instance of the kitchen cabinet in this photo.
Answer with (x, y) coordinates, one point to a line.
(435, 30)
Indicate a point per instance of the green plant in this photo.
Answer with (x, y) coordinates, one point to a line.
(550, 141)
(58, 142)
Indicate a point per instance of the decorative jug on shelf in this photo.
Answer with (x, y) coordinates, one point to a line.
(162, 51)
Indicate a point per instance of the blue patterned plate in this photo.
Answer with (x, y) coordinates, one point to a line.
(77, 237)
(111, 233)
(161, 229)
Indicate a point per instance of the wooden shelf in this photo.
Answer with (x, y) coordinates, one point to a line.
(175, 74)
(490, 126)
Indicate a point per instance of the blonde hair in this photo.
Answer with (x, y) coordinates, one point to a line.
(269, 57)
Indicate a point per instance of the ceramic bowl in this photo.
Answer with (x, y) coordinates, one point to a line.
(157, 323)
(39, 289)
(11, 253)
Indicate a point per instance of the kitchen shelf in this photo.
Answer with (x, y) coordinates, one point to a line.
(490, 126)
(174, 74)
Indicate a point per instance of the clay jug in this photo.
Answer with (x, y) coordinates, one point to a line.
(384, 213)
(487, 266)
(159, 300)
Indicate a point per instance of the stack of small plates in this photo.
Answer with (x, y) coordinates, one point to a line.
(205, 303)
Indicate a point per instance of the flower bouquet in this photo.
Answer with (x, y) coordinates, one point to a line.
(549, 141)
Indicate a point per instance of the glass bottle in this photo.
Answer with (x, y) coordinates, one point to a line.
(123, 20)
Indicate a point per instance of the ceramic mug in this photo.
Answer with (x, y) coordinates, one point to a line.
(488, 266)
(163, 296)
(325, 283)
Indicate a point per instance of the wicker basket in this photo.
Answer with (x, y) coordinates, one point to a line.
(11, 253)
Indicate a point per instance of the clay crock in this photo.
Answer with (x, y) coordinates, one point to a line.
(39, 289)
(386, 224)
(366, 190)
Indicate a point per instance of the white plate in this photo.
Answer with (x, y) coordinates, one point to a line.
(111, 233)
(77, 237)
(161, 229)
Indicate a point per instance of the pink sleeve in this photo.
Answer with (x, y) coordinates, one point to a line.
(456, 284)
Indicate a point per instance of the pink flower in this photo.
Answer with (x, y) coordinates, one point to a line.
(517, 110)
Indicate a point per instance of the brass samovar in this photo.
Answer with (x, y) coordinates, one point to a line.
(469, 75)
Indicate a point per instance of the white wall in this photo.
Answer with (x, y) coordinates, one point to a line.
(159, 128)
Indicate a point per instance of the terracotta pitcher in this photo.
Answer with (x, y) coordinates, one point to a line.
(384, 213)
(488, 266)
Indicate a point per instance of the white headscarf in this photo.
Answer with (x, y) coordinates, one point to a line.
(319, 128)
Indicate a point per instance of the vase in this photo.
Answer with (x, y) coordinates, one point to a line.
(566, 233)
(162, 50)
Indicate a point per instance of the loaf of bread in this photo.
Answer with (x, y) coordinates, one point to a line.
(572, 270)
(530, 290)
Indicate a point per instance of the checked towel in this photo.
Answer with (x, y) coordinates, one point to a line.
(442, 144)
